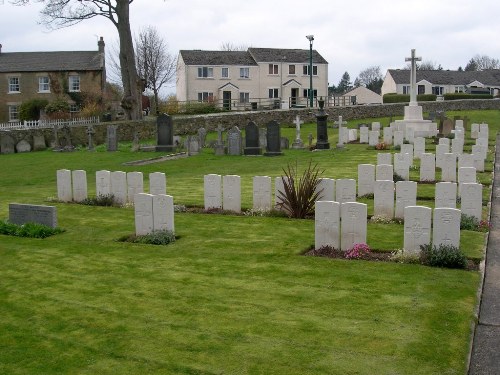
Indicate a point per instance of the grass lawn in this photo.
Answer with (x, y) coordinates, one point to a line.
(232, 295)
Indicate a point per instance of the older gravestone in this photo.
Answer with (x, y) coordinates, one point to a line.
(56, 145)
(7, 144)
(446, 128)
(445, 195)
(262, 193)
(472, 200)
(157, 183)
(297, 143)
(112, 138)
(446, 227)
(90, 135)
(119, 187)
(417, 228)
(193, 145)
(135, 185)
(322, 129)
(144, 219)
(427, 167)
(68, 144)
(231, 193)
(102, 183)
(366, 179)
(234, 141)
(406, 195)
(353, 228)
(252, 139)
(327, 224)
(219, 145)
(29, 213)
(39, 142)
(384, 172)
(263, 138)
(383, 198)
(284, 143)
(163, 213)
(212, 191)
(449, 168)
(202, 136)
(273, 139)
(345, 190)
(326, 189)
(23, 146)
(164, 133)
(79, 178)
(136, 145)
(64, 188)
(343, 132)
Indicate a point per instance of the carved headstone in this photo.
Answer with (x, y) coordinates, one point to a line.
(252, 139)
(234, 141)
(327, 224)
(112, 138)
(7, 144)
(164, 133)
(273, 139)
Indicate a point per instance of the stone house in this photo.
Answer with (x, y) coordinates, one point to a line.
(252, 78)
(440, 82)
(49, 75)
(364, 96)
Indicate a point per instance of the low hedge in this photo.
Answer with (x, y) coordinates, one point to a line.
(463, 95)
(401, 98)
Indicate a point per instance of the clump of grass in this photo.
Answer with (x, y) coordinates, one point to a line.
(158, 237)
(106, 200)
(446, 256)
(402, 256)
(31, 230)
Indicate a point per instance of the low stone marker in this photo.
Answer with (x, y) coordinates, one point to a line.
(64, 189)
(345, 190)
(417, 228)
(231, 193)
(262, 193)
(327, 224)
(366, 179)
(157, 183)
(212, 191)
(29, 213)
(326, 187)
(446, 227)
(102, 183)
(353, 229)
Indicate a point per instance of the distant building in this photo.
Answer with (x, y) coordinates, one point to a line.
(246, 79)
(440, 82)
(362, 95)
(48, 75)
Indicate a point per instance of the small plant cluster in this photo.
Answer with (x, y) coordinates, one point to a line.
(378, 219)
(180, 208)
(159, 237)
(106, 200)
(357, 251)
(446, 256)
(402, 256)
(32, 230)
(381, 146)
(469, 222)
(265, 213)
(396, 177)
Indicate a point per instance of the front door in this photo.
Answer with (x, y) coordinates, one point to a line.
(226, 100)
(294, 95)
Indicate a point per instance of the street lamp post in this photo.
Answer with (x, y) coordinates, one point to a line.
(310, 38)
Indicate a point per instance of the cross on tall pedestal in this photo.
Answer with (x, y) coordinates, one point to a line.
(339, 122)
(413, 76)
(297, 123)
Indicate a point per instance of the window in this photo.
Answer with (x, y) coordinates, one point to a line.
(459, 89)
(406, 90)
(244, 72)
(224, 73)
(273, 69)
(43, 84)
(74, 108)
(291, 69)
(205, 96)
(13, 113)
(273, 93)
(205, 72)
(437, 90)
(74, 83)
(306, 93)
(244, 97)
(305, 70)
(14, 84)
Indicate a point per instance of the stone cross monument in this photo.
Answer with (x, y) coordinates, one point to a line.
(413, 77)
(339, 122)
(298, 142)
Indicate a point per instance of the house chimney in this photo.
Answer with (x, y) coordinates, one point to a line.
(100, 45)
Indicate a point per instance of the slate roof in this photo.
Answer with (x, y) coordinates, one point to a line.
(448, 77)
(249, 58)
(51, 61)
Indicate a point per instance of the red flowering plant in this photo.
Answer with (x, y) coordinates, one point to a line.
(357, 251)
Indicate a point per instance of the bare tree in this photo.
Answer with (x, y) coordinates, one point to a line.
(482, 62)
(65, 13)
(371, 78)
(154, 62)
(425, 65)
(230, 46)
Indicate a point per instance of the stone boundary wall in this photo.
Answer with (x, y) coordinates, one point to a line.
(190, 124)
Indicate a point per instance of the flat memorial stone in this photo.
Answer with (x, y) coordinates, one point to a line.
(29, 213)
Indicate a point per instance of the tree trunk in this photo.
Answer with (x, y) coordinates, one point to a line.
(155, 92)
(131, 101)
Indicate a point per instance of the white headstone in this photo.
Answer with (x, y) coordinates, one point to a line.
(376, 126)
(384, 158)
(398, 138)
(345, 190)
(417, 228)
(406, 195)
(477, 151)
(384, 172)
(326, 187)
(402, 165)
(407, 148)
(102, 183)
(383, 198)
(445, 141)
(327, 224)
(373, 136)
(480, 148)
(419, 147)
(446, 227)
(79, 178)
(441, 149)
(212, 184)
(119, 187)
(449, 168)
(231, 193)
(465, 175)
(135, 185)
(366, 179)
(410, 134)
(157, 183)
(459, 124)
(363, 134)
(143, 208)
(387, 135)
(353, 224)
(427, 167)
(472, 200)
(262, 193)
(353, 135)
(64, 189)
(457, 146)
(474, 131)
(163, 212)
(466, 160)
(445, 195)
(279, 190)
(483, 131)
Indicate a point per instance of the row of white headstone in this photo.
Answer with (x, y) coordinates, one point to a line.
(342, 225)
(153, 213)
(72, 185)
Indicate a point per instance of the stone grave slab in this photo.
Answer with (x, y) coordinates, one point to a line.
(30, 213)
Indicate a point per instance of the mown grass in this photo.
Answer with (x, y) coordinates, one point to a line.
(231, 296)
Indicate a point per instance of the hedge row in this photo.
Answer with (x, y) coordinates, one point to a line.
(400, 98)
(463, 95)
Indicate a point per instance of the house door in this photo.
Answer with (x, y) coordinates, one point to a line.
(421, 89)
(294, 95)
(226, 100)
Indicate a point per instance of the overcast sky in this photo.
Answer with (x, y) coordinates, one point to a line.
(350, 35)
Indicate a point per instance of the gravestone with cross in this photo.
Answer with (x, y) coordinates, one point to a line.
(297, 143)
(219, 145)
(339, 123)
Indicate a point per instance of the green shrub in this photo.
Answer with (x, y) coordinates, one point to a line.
(299, 196)
(32, 230)
(58, 108)
(446, 256)
(159, 237)
(402, 98)
(463, 95)
(30, 109)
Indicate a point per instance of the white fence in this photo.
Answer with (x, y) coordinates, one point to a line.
(44, 124)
